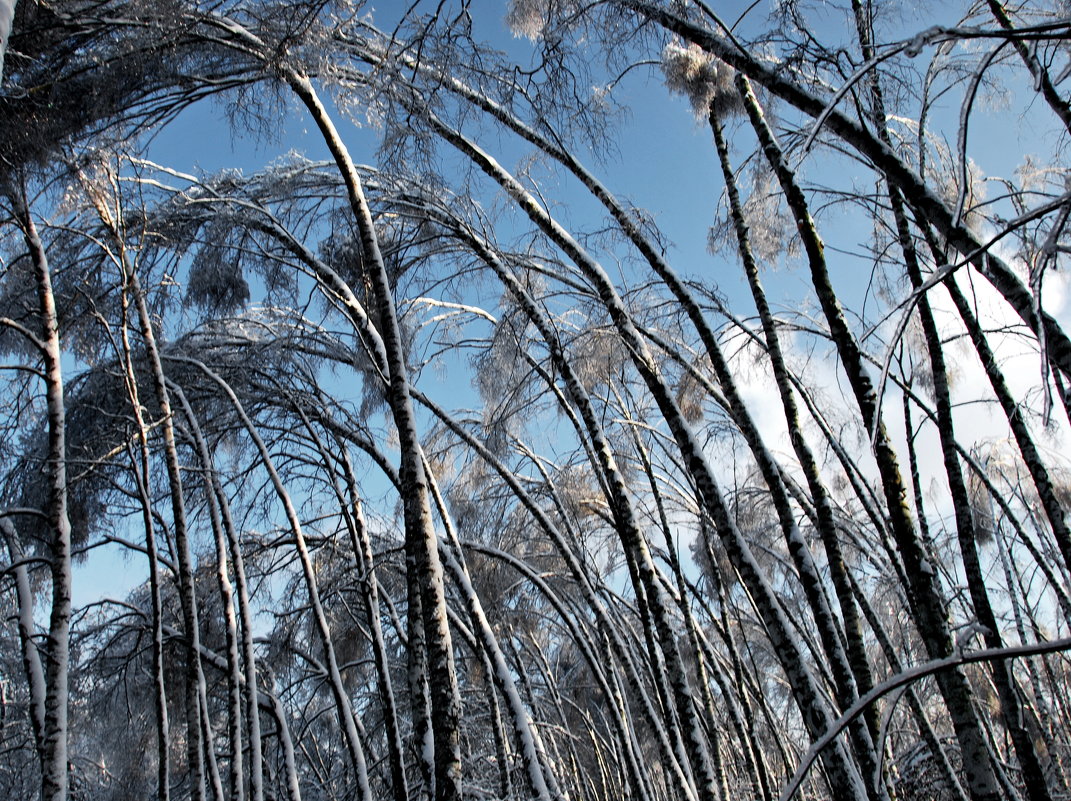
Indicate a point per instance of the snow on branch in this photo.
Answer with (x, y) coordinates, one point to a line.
(704, 79)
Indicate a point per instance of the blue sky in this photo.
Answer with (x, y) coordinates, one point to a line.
(665, 164)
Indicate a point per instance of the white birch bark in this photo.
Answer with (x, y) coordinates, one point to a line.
(344, 709)
(249, 660)
(7, 19)
(200, 741)
(142, 483)
(31, 658)
(54, 780)
(421, 540)
(236, 786)
(203, 758)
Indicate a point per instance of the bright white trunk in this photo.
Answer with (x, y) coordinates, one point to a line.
(347, 722)
(31, 659)
(422, 556)
(226, 591)
(54, 759)
(7, 19)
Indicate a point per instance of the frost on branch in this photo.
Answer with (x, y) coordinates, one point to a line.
(532, 18)
(958, 181)
(527, 18)
(97, 423)
(769, 225)
(216, 282)
(706, 81)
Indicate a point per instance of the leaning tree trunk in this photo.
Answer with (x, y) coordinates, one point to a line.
(688, 734)
(200, 739)
(845, 780)
(31, 657)
(236, 786)
(248, 659)
(344, 709)
(422, 556)
(1007, 688)
(141, 470)
(54, 782)
(819, 494)
(924, 593)
(203, 759)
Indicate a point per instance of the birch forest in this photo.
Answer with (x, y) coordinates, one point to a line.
(471, 449)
